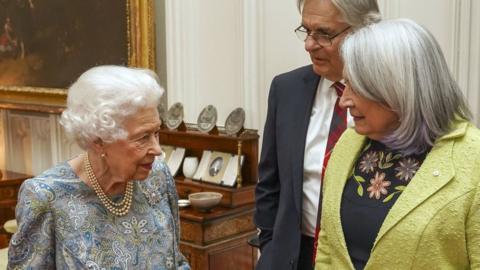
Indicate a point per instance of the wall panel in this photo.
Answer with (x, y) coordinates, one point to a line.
(205, 51)
(227, 52)
(455, 25)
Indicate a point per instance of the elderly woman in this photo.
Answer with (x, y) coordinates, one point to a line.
(401, 189)
(115, 206)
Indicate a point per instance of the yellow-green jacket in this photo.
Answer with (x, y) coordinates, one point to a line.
(434, 224)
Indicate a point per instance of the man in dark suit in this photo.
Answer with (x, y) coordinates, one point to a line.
(301, 107)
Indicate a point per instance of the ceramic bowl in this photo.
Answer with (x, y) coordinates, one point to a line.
(204, 201)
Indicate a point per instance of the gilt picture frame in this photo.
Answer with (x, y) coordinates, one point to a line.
(45, 45)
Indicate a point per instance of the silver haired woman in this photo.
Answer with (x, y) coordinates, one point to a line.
(402, 187)
(114, 207)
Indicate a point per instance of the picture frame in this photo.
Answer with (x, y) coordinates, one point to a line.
(216, 167)
(137, 46)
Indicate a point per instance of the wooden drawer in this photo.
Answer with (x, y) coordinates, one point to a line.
(232, 197)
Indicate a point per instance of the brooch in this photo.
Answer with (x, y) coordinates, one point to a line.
(153, 190)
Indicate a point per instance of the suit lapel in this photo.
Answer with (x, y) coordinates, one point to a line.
(306, 96)
(436, 171)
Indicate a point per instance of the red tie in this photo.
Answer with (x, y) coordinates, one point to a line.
(337, 127)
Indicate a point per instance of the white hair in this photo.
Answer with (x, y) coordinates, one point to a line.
(103, 97)
(356, 13)
(399, 63)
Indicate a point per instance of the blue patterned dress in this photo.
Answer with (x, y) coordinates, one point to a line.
(63, 225)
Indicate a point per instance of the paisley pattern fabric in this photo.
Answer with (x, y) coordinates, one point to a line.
(63, 225)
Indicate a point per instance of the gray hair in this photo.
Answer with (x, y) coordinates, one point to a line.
(400, 64)
(103, 97)
(356, 13)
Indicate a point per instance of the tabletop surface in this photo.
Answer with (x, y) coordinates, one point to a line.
(7, 175)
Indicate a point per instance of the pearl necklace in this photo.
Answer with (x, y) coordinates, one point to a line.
(118, 209)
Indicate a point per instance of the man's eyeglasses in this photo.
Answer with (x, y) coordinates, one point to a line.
(321, 39)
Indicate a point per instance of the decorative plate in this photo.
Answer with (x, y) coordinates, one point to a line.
(235, 121)
(207, 119)
(162, 112)
(174, 116)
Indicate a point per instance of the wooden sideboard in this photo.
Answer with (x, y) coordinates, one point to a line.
(218, 239)
(9, 184)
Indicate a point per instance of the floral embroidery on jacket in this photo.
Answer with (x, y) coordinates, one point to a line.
(378, 186)
(407, 169)
(388, 172)
(369, 162)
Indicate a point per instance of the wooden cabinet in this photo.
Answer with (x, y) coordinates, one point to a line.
(218, 239)
(9, 184)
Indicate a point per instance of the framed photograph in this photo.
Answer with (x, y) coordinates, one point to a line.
(216, 167)
(45, 45)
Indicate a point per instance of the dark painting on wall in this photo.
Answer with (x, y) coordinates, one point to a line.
(49, 43)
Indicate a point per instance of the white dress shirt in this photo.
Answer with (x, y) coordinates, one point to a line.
(316, 142)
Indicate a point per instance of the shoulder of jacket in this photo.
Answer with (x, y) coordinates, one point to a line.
(469, 143)
(297, 73)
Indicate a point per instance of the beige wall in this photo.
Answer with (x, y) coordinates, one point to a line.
(226, 53)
